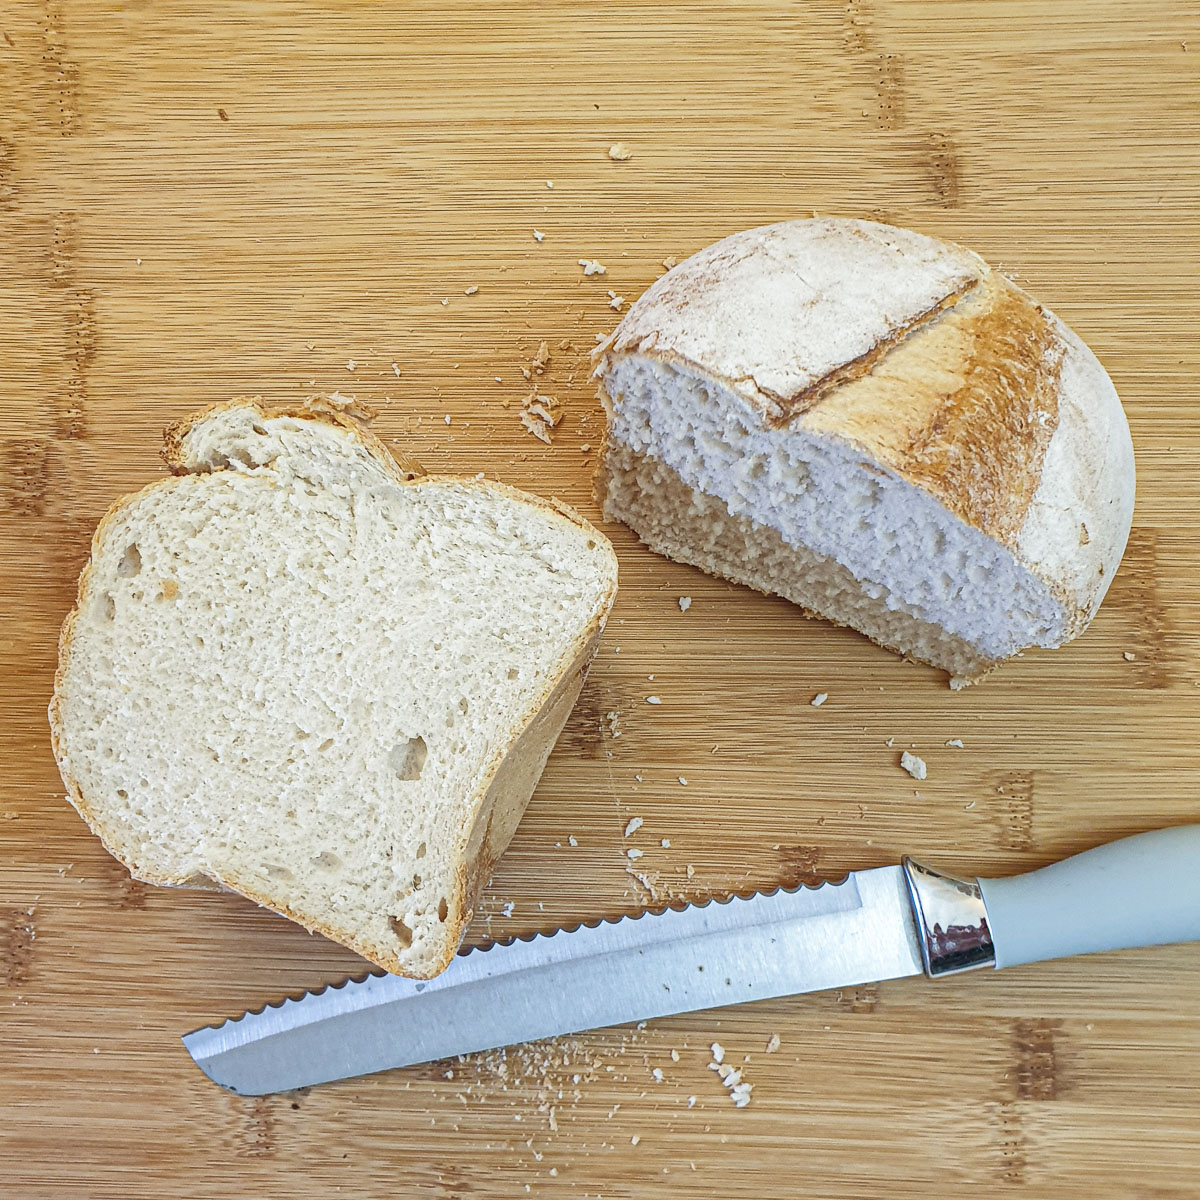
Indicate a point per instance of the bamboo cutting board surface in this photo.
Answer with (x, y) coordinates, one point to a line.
(198, 202)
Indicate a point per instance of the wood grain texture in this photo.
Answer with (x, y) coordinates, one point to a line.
(197, 203)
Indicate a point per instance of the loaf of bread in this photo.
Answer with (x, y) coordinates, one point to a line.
(877, 426)
(303, 672)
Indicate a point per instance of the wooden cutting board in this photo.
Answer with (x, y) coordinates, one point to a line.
(201, 201)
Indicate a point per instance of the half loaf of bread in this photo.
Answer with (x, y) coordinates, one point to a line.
(303, 672)
(877, 426)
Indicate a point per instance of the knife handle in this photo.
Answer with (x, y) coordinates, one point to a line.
(1139, 891)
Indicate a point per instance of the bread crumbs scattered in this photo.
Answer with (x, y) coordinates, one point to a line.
(540, 415)
(396, 369)
(819, 699)
(592, 267)
(635, 823)
(653, 700)
(773, 1043)
(913, 764)
(541, 358)
(685, 602)
(956, 744)
(538, 235)
(471, 290)
(619, 152)
(633, 853)
(615, 301)
(507, 910)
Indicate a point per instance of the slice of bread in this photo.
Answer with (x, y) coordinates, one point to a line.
(877, 426)
(303, 672)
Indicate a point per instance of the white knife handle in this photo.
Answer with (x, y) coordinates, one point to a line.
(1139, 891)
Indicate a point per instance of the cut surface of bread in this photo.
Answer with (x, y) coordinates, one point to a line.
(880, 428)
(321, 680)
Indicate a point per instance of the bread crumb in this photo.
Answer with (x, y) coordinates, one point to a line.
(674, 1055)
(635, 823)
(585, 447)
(350, 364)
(718, 1052)
(540, 415)
(396, 369)
(1129, 656)
(507, 910)
(619, 152)
(658, 1074)
(615, 301)
(613, 720)
(470, 291)
(538, 235)
(773, 1043)
(890, 742)
(541, 358)
(913, 764)
(633, 1141)
(670, 262)
(447, 418)
(634, 853)
(956, 744)
(819, 699)
(445, 302)
(653, 700)
(571, 840)
(665, 843)
(690, 870)
(592, 267)
(692, 1104)
(550, 184)
(685, 602)
(681, 779)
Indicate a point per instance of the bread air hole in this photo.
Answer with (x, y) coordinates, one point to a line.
(326, 860)
(443, 909)
(277, 872)
(404, 934)
(131, 562)
(407, 758)
(513, 673)
(422, 850)
(109, 608)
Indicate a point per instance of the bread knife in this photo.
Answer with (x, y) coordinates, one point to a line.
(883, 923)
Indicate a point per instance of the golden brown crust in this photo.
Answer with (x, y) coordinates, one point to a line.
(470, 874)
(965, 411)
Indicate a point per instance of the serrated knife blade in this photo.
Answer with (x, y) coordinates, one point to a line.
(878, 924)
(633, 969)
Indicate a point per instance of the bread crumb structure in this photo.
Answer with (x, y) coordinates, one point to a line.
(314, 675)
